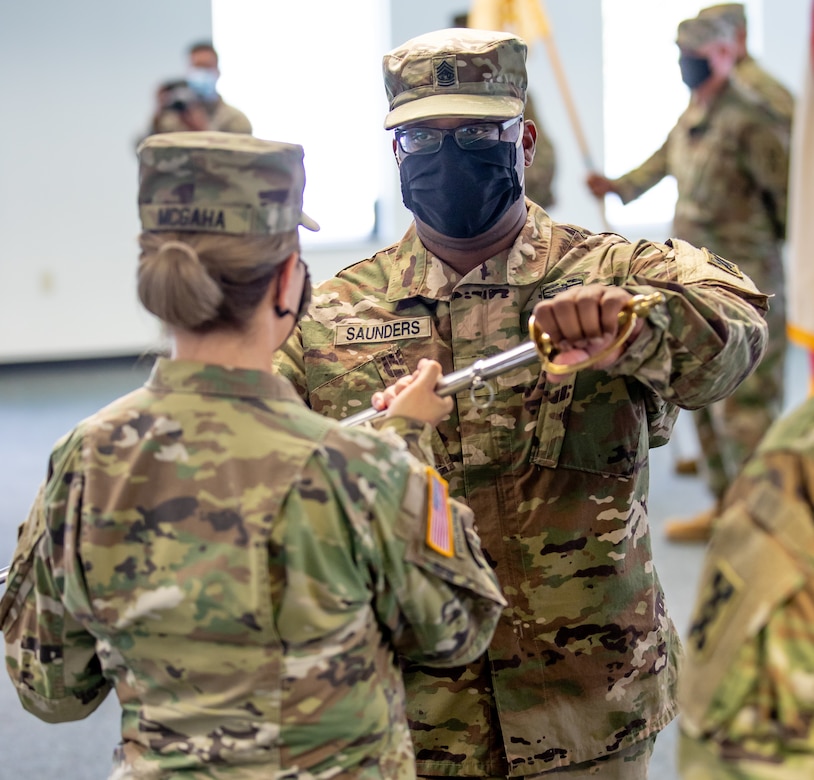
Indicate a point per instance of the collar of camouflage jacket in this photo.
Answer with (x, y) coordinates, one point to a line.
(696, 117)
(416, 272)
(188, 376)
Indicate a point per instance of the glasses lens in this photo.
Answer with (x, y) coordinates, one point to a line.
(420, 140)
(428, 140)
(480, 136)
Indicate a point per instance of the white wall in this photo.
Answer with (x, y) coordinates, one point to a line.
(78, 80)
(785, 28)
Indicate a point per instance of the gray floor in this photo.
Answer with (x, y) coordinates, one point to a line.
(39, 403)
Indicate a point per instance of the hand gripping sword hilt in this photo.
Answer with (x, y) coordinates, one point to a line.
(637, 306)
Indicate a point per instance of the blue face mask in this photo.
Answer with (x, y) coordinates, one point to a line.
(204, 81)
(694, 70)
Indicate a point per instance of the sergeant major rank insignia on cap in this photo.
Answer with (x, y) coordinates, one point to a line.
(445, 71)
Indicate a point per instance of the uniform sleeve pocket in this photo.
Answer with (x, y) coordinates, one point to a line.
(19, 582)
(552, 422)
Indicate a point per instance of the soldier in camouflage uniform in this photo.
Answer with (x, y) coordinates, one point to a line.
(730, 162)
(207, 110)
(580, 676)
(747, 711)
(753, 80)
(241, 570)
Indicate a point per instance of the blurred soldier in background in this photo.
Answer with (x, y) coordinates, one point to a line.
(755, 82)
(729, 157)
(178, 107)
(540, 174)
(194, 103)
(745, 691)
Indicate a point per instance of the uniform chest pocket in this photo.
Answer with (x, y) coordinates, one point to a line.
(590, 422)
(350, 390)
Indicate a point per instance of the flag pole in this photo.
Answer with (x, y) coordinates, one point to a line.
(541, 21)
(529, 19)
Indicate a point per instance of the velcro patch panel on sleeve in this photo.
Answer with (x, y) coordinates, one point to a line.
(724, 265)
(440, 536)
(555, 288)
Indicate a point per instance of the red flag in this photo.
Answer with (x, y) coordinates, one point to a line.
(801, 213)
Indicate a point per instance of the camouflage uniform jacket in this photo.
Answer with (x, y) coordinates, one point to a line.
(222, 117)
(583, 662)
(228, 119)
(241, 571)
(746, 691)
(759, 85)
(732, 174)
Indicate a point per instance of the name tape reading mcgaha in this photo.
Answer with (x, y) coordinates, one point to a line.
(217, 219)
(367, 332)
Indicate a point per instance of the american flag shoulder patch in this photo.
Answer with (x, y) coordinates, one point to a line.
(439, 515)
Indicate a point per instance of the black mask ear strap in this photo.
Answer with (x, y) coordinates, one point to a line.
(305, 298)
(279, 311)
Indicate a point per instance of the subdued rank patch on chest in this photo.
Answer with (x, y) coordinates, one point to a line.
(550, 290)
(725, 265)
(372, 332)
(439, 515)
(716, 594)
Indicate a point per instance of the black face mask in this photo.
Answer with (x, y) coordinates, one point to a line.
(461, 194)
(694, 70)
(305, 299)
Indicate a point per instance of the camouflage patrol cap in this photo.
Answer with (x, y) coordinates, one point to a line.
(698, 32)
(732, 13)
(214, 182)
(456, 72)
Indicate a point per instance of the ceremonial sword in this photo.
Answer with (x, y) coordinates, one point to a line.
(538, 348)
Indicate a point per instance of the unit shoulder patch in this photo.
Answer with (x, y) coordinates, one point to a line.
(715, 596)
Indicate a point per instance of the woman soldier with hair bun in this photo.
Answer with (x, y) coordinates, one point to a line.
(242, 571)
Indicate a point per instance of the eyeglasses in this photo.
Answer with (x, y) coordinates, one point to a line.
(470, 138)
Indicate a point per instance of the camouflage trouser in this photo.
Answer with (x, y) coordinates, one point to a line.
(730, 430)
(628, 764)
(697, 761)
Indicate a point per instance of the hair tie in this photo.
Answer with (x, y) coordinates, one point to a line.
(184, 249)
